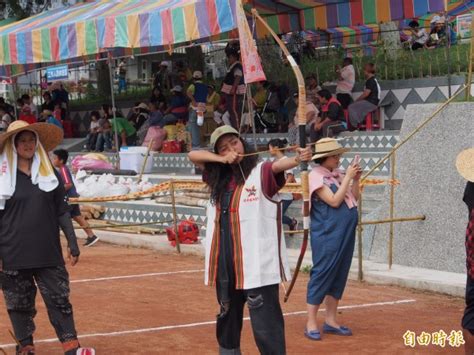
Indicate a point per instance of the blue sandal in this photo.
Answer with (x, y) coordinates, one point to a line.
(344, 331)
(312, 334)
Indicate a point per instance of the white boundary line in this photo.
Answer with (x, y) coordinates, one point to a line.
(199, 324)
(136, 276)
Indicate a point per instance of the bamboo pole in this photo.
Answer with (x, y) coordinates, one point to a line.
(401, 219)
(360, 275)
(392, 205)
(175, 218)
(381, 221)
(469, 73)
(416, 130)
(142, 170)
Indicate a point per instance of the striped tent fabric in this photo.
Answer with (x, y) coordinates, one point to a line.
(83, 30)
(297, 15)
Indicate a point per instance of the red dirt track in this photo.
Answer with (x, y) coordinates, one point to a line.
(131, 306)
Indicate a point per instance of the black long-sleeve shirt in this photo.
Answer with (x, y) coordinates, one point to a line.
(29, 227)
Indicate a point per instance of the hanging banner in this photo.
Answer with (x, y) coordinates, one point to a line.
(57, 73)
(251, 63)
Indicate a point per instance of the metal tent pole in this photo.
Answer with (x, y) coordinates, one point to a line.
(115, 125)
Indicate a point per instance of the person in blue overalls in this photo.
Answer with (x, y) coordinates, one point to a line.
(333, 223)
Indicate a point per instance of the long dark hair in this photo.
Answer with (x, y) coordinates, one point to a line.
(220, 175)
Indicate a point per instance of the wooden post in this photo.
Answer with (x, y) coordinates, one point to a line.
(392, 203)
(175, 218)
(360, 276)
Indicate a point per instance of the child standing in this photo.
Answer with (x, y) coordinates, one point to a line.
(245, 251)
(276, 147)
(60, 157)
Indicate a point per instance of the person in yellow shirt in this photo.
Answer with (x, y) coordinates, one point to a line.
(260, 96)
(213, 100)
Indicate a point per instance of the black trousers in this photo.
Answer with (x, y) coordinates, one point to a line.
(266, 318)
(19, 290)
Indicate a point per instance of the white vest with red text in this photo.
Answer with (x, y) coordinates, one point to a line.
(257, 235)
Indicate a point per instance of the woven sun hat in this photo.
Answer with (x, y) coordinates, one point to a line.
(221, 131)
(327, 147)
(49, 135)
(465, 164)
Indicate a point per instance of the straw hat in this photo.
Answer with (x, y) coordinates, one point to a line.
(327, 147)
(197, 74)
(465, 164)
(49, 135)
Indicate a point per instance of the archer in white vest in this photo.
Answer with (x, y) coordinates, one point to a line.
(245, 249)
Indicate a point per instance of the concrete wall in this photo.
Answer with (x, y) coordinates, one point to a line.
(429, 185)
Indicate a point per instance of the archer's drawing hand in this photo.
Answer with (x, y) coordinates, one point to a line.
(230, 158)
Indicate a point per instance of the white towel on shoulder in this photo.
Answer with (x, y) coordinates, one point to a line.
(42, 172)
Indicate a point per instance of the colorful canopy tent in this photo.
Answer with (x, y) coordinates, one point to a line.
(297, 15)
(83, 31)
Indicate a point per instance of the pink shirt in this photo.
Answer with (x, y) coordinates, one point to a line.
(320, 176)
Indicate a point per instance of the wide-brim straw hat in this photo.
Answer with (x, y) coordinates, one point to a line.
(327, 147)
(49, 135)
(465, 164)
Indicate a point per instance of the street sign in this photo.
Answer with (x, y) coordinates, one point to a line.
(59, 72)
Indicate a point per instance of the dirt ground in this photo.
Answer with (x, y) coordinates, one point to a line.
(136, 301)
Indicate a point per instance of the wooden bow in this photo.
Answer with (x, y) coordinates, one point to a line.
(302, 137)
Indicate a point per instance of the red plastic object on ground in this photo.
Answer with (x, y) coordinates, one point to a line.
(172, 147)
(188, 233)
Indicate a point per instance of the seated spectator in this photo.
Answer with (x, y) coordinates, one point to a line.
(368, 101)
(27, 110)
(8, 108)
(59, 113)
(345, 82)
(312, 113)
(5, 118)
(156, 117)
(141, 116)
(178, 107)
(260, 96)
(48, 103)
(126, 133)
(94, 129)
(47, 117)
(332, 120)
(158, 98)
(104, 137)
(60, 95)
(312, 88)
(419, 37)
